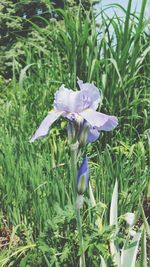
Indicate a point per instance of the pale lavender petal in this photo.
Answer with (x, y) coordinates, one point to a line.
(99, 120)
(92, 135)
(93, 117)
(45, 125)
(111, 123)
(68, 100)
(91, 95)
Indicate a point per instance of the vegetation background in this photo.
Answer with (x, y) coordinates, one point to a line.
(38, 53)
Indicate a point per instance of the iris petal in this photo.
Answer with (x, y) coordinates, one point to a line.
(45, 125)
(99, 120)
(68, 100)
(91, 95)
(111, 123)
(93, 117)
(92, 135)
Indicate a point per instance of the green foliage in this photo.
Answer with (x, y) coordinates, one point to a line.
(128, 254)
(35, 187)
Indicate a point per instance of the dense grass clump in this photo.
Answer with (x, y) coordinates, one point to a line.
(38, 225)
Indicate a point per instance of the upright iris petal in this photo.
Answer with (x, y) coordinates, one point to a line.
(91, 94)
(68, 100)
(83, 177)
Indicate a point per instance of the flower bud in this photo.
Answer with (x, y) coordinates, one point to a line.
(83, 177)
(83, 133)
(71, 131)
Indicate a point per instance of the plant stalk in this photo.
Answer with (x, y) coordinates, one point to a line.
(74, 152)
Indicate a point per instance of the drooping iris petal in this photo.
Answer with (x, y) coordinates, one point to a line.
(93, 117)
(111, 123)
(92, 135)
(91, 95)
(99, 120)
(45, 125)
(68, 100)
(83, 176)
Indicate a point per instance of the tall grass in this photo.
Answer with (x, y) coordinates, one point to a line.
(35, 186)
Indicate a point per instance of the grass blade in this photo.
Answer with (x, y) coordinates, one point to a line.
(129, 252)
(103, 263)
(114, 221)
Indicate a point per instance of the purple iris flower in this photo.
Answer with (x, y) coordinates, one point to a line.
(79, 106)
(83, 177)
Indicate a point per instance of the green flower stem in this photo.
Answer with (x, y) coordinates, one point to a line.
(74, 152)
(79, 223)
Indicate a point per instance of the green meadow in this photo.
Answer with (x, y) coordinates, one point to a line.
(38, 225)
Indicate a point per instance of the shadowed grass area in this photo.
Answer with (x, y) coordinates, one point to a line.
(35, 188)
